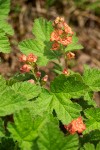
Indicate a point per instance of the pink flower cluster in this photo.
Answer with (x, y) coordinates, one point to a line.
(31, 58)
(62, 33)
(76, 125)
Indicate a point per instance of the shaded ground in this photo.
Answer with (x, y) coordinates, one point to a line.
(85, 22)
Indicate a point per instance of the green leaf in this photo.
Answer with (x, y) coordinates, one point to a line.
(58, 99)
(4, 9)
(23, 130)
(98, 146)
(88, 97)
(58, 141)
(2, 84)
(7, 144)
(92, 78)
(42, 29)
(26, 89)
(4, 42)
(4, 12)
(65, 109)
(93, 121)
(65, 84)
(11, 102)
(42, 104)
(74, 45)
(92, 137)
(88, 146)
(6, 27)
(2, 131)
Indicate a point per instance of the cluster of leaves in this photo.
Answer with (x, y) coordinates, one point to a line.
(30, 115)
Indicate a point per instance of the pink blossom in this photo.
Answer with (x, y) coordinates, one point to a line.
(65, 40)
(31, 81)
(38, 74)
(67, 29)
(25, 68)
(55, 35)
(31, 58)
(45, 78)
(55, 46)
(23, 58)
(76, 125)
(70, 55)
(65, 71)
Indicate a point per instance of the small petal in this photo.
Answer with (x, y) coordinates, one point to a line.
(31, 81)
(25, 68)
(31, 58)
(23, 58)
(66, 41)
(70, 55)
(55, 35)
(66, 72)
(55, 46)
(45, 78)
(38, 74)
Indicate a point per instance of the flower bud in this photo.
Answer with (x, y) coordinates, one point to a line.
(31, 81)
(70, 55)
(58, 20)
(31, 58)
(23, 58)
(45, 78)
(66, 72)
(38, 74)
(55, 46)
(25, 68)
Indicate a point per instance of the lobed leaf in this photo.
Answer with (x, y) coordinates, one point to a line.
(4, 9)
(51, 138)
(88, 146)
(2, 131)
(42, 29)
(4, 42)
(11, 102)
(91, 78)
(65, 109)
(23, 129)
(26, 89)
(88, 97)
(2, 84)
(65, 84)
(93, 121)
